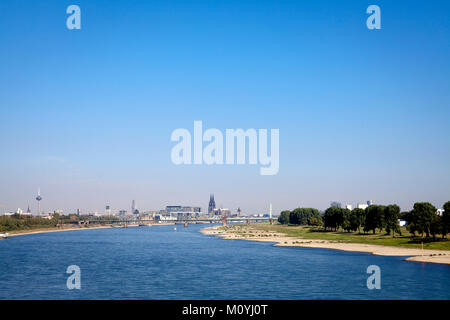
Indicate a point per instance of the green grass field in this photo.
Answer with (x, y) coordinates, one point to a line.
(405, 240)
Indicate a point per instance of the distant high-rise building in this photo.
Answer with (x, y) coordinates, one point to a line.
(39, 198)
(108, 210)
(369, 202)
(336, 204)
(212, 204)
(134, 209)
(362, 206)
(223, 212)
(239, 212)
(78, 211)
(182, 211)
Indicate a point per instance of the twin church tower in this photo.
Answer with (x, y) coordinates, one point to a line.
(212, 204)
(212, 210)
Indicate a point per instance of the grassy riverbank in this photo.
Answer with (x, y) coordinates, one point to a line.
(406, 240)
(299, 236)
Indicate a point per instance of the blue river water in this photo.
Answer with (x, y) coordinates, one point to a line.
(158, 263)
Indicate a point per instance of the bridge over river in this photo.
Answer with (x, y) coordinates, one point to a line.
(184, 221)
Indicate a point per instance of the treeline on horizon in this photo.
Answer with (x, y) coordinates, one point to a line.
(422, 220)
(22, 222)
(18, 222)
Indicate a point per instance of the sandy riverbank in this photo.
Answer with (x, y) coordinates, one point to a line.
(248, 233)
(48, 230)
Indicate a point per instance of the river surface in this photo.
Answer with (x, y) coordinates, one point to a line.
(158, 263)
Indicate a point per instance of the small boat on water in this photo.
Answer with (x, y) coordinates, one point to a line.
(4, 235)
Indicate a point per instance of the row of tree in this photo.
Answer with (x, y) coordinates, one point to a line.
(22, 222)
(423, 219)
(301, 216)
(19, 222)
(370, 219)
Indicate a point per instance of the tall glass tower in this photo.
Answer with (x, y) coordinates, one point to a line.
(39, 198)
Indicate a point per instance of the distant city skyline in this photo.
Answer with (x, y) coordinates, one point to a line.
(207, 209)
(87, 115)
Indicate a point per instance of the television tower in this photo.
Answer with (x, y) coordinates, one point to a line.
(39, 198)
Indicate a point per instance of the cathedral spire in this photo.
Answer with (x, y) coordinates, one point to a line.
(212, 204)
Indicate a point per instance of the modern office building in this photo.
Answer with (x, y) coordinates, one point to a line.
(134, 209)
(183, 211)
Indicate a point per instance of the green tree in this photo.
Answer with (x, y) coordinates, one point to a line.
(436, 226)
(284, 217)
(391, 216)
(422, 216)
(316, 221)
(354, 221)
(380, 217)
(360, 216)
(328, 220)
(446, 219)
(301, 216)
(349, 222)
(333, 218)
(371, 223)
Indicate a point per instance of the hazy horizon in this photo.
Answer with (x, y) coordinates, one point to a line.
(87, 115)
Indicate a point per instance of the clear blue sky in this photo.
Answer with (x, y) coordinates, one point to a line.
(87, 114)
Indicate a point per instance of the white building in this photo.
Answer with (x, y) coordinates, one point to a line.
(348, 206)
(362, 206)
(167, 217)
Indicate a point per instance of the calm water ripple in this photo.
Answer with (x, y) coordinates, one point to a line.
(158, 263)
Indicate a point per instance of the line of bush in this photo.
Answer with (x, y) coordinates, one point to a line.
(423, 219)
